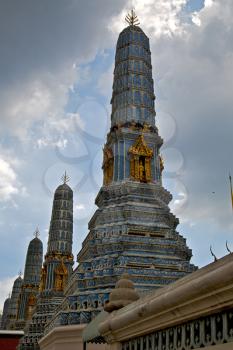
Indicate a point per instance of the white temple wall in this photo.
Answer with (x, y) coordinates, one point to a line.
(69, 338)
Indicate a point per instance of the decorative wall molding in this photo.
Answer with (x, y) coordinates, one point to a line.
(200, 333)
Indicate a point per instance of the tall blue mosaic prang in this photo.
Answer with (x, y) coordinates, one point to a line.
(133, 230)
(57, 267)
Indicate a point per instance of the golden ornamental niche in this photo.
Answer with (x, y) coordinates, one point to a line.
(140, 160)
(30, 306)
(108, 165)
(61, 275)
(43, 276)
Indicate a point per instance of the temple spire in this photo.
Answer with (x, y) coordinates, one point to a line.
(13, 305)
(31, 280)
(132, 18)
(56, 269)
(60, 234)
(133, 88)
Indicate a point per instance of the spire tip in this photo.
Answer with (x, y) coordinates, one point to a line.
(37, 232)
(65, 178)
(132, 18)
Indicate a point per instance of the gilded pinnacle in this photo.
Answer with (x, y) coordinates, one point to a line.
(132, 19)
(37, 233)
(65, 178)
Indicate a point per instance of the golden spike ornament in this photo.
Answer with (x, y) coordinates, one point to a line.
(132, 18)
(65, 178)
(36, 233)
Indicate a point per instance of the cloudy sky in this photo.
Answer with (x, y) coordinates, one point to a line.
(56, 67)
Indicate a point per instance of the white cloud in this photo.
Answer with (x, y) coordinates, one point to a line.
(79, 207)
(208, 3)
(56, 130)
(67, 123)
(9, 184)
(45, 142)
(196, 18)
(34, 101)
(156, 17)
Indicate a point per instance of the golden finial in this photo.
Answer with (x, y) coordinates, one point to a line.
(36, 233)
(65, 178)
(132, 19)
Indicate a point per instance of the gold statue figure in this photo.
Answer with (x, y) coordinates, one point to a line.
(61, 274)
(59, 282)
(141, 171)
(43, 275)
(140, 160)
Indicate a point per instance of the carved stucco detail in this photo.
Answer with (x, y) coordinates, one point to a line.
(108, 165)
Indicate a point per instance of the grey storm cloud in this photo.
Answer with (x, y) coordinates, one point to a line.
(40, 43)
(38, 35)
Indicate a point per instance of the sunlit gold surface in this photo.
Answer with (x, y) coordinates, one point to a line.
(140, 161)
(108, 165)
